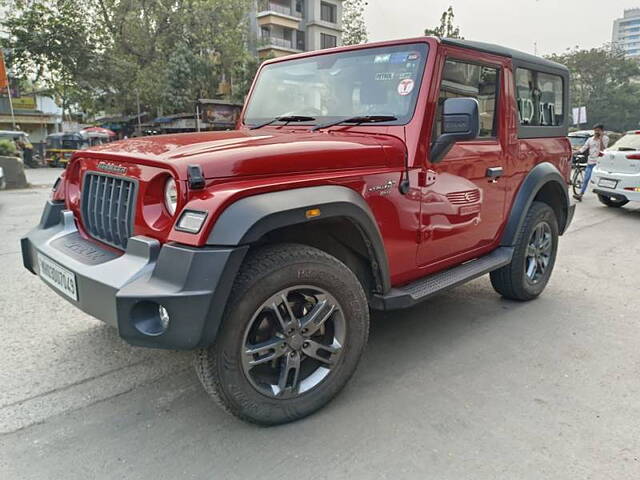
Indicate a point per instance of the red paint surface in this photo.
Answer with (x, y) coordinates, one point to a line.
(422, 232)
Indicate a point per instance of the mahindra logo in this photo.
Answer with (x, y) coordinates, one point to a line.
(469, 196)
(112, 168)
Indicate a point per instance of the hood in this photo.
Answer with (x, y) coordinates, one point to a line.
(246, 152)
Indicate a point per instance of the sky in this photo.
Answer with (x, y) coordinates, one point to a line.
(554, 25)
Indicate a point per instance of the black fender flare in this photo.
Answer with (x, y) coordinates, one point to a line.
(249, 219)
(541, 175)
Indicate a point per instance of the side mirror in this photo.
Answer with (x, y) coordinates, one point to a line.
(460, 122)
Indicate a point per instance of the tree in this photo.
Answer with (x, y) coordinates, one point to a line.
(605, 81)
(446, 29)
(51, 45)
(102, 54)
(353, 24)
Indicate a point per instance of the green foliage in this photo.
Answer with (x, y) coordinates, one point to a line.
(8, 149)
(353, 25)
(101, 54)
(446, 29)
(50, 43)
(606, 82)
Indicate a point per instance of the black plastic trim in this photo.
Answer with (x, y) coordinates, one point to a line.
(537, 178)
(249, 219)
(617, 196)
(409, 295)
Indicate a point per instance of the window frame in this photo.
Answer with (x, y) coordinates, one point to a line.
(529, 131)
(497, 119)
(333, 9)
(328, 35)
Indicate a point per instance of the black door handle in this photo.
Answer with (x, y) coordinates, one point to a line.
(494, 172)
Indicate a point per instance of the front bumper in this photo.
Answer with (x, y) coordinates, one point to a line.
(126, 289)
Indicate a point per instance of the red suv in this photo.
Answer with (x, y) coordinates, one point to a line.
(367, 177)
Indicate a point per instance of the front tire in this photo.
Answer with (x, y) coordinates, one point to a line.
(612, 202)
(293, 332)
(526, 277)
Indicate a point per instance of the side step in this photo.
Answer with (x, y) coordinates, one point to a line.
(413, 293)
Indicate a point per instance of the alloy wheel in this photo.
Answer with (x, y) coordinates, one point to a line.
(538, 253)
(293, 342)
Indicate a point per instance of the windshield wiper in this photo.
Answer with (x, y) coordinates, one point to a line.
(356, 121)
(286, 119)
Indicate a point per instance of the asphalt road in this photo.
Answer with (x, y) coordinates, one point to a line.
(466, 386)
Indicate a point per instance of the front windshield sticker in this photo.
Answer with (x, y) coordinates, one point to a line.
(384, 76)
(405, 87)
(382, 58)
(398, 58)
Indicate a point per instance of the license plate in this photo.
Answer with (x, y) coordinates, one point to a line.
(58, 277)
(607, 183)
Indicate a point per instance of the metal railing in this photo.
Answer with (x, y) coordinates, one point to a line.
(278, 8)
(278, 42)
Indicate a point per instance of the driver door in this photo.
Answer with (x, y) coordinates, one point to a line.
(462, 197)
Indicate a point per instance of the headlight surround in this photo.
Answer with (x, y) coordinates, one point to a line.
(170, 196)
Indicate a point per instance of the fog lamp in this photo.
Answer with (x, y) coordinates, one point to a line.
(164, 317)
(191, 221)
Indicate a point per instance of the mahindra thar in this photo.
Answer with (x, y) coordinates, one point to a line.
(359, 178)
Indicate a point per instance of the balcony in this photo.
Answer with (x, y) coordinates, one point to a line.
(274, 7)
(272, 13)
(267, 42)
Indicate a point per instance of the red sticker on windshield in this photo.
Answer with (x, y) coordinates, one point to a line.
(405, 87)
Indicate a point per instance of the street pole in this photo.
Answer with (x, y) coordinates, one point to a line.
(138, 104)
(197, 116)
(13, 117)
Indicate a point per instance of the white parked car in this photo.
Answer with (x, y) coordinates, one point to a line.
(616, 178)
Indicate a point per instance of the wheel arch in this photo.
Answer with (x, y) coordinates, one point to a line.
(544, 183)
(345, 227)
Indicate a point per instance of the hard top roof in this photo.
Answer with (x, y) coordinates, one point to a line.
(16, 133)
(505, 52)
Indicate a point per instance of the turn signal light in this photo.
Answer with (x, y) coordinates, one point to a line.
(314, 212)
(191, 221)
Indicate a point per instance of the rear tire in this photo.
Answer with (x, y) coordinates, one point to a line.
(526, 277)
(612, 202)
(270, 364)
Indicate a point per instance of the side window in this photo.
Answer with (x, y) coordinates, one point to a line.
(540, 98)
(461, 79)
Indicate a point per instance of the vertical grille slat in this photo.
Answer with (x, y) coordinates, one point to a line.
(108, 206)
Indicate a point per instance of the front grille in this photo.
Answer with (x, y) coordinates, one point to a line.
(462, 198)
(108, 207)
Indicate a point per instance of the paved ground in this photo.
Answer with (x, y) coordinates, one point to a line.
(467, 386)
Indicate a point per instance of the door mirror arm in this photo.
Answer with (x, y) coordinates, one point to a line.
(460, 122)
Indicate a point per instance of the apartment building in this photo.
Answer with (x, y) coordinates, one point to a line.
(626, 32)
(283, 27)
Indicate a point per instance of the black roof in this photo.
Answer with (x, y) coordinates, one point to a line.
(506, 52)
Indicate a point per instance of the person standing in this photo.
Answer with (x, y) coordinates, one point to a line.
(595, 145)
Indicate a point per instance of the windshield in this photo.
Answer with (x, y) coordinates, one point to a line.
(373, 81)
(577, 142)
(628, 142)
(54, 142)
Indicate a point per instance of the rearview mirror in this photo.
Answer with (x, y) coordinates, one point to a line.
(460, 122)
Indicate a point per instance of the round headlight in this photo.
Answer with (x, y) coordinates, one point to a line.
(170, 195)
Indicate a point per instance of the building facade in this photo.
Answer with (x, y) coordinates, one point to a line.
(283, 27)
(626, 33)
